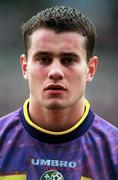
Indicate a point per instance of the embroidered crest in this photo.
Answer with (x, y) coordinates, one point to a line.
(52, 175)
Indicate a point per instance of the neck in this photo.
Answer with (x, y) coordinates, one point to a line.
(56, 120)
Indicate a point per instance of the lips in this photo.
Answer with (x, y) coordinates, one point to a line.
(55, 87)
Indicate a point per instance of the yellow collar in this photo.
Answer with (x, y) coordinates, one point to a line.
(29, 121)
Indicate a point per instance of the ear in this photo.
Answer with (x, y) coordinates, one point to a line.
(92, 66)
(23, 63)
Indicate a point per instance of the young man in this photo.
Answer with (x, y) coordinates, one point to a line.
(55, 135)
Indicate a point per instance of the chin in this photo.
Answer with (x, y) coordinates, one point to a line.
(55, 106)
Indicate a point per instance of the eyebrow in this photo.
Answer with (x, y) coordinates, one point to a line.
(63, 54)
(71, 54)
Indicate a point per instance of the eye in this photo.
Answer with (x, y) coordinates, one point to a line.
(45, 60)
(68, 60)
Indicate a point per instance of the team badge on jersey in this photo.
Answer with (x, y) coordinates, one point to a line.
(52, 175)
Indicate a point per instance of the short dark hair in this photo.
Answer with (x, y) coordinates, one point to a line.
(61, 19)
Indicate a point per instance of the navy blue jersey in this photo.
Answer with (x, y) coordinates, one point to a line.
(87, 151)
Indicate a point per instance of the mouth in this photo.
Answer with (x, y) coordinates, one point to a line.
(55, 88)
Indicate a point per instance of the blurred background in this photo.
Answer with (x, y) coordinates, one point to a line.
(102, 92)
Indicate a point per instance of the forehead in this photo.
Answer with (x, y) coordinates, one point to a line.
(45, 39)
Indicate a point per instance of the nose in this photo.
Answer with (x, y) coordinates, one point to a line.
(56, 71)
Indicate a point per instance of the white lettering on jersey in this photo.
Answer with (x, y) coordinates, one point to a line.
(53, 163)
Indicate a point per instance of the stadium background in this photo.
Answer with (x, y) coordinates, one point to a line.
(102, 92)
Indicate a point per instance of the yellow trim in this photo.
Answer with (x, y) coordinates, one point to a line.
(27, 118)
(85, 178)
(13, 177)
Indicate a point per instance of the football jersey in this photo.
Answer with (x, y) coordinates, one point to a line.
(87, 151)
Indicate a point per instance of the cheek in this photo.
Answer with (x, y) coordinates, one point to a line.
(36, 78)
(81, 74)
(79, 80)
(32, 74)
(32, 71)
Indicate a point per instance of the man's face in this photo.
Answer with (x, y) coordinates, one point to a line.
(57, 69)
